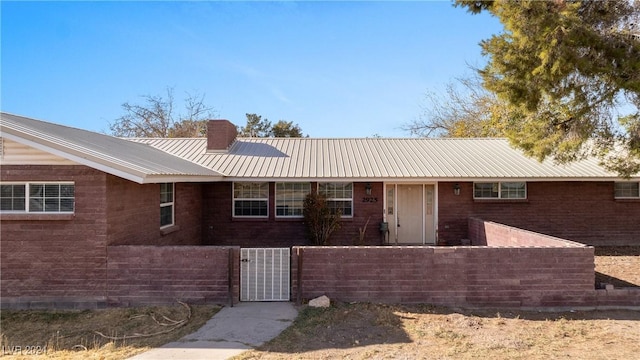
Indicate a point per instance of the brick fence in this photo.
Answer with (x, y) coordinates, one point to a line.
(487, 233)
(537, 271)
(163, 274)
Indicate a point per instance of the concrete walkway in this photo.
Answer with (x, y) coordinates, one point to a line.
(230, 332)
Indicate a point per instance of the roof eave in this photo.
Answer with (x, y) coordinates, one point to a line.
(426, 179)
(99, 164)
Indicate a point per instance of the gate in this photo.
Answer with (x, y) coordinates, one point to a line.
(264, 274)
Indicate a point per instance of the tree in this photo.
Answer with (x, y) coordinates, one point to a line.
(156, 117)
(286, 129)
(258, 127)
(570, 74)
(319, 219)
(255, 127)
(465, 109)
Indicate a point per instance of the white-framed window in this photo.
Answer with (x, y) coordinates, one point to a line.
(250, 199)
(290, 198)
(167, 199)
(500, 190)
(627, 190)
(37, 197)
(339, 196)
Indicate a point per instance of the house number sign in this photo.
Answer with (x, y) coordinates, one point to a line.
(369, 199)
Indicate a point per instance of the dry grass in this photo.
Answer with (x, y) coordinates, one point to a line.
(359, 331)
(368, 331)
(74, 334)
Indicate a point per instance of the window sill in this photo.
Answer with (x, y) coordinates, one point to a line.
(501, 201)
(627, 199)
(169, 230)
(289, 219)
(249, 219)
(37, 217)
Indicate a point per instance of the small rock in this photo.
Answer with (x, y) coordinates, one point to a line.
(321, 301)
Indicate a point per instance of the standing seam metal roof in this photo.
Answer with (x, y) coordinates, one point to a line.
(375, 158)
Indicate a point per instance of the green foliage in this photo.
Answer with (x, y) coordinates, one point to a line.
(286, 129)
(255, 127)
(569, 72)
(320, 220)
(258, 127)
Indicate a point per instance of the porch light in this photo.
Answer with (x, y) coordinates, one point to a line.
(456, 189)
(367, 188)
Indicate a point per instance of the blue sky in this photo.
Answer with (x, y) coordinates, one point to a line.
(338, 69)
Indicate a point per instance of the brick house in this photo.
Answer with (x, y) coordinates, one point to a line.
(68, 194)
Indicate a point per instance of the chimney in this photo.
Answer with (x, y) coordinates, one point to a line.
(220, 135)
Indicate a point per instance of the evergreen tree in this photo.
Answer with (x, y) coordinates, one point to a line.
(570, 74)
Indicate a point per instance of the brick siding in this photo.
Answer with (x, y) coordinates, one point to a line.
(585, 212)
(221, 228)
(134, 214)
(57, 260)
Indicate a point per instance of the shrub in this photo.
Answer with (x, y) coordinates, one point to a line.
(320, 220)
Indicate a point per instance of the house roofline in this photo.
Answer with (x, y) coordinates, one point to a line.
(139, 177)
(431, 179)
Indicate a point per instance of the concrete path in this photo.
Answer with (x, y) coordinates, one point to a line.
(230, 332)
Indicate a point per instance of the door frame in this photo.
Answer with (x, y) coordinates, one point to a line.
(393, 231)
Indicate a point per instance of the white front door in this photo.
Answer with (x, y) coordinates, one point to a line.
(410, 213)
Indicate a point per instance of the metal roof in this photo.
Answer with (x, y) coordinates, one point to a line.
(134, 161)
(417, 159)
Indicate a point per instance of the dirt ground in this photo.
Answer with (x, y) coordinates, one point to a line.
(369, 331)
(619, 266)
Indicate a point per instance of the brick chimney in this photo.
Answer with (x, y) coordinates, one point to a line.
(220, 135)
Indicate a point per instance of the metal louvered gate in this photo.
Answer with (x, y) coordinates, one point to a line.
(264, 274)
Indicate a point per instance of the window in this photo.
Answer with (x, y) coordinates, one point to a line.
(290, 198)
(37, 198)
(627, 190)
(166, 205)
(13, 198)
(250, 199)
(500, 190)
(339, 196)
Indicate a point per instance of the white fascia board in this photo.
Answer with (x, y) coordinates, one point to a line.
(431, 179)
(158, 179)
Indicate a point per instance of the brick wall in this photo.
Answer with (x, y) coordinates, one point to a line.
(454, 276)
(133, 216)
(60, 260)
(585, 212)
(163, 274)
(516, 272)
(486, 233)
(55, 260)
(220, 228)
